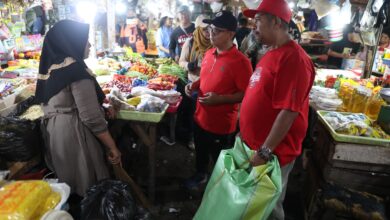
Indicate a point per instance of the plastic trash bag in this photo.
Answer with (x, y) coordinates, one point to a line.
(108, 200)
(237, 190)
(20, 140)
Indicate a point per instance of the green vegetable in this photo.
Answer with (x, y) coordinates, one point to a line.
(135, 74)
(173, 70)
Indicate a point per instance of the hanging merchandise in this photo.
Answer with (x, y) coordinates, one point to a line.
(252, 4)
(367, 23)
(216, 6)
(303, 4)
(323, 8)
(383, 14)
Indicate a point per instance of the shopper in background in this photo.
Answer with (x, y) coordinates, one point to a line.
(384, 42)
(190, 59)
(133, 33)
(181, 33)
(163, 36)
(73, 125)
(242, 30)
(346, 48)
(179, 36)
(224, 76)
(195, 48)
(253, 49)
(274, 111)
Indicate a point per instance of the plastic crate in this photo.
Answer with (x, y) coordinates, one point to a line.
(173, 107)
(142, 116)
(350, 138)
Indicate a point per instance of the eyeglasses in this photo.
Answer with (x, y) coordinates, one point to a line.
(216, 31)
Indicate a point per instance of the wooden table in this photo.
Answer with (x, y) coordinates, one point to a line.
(356, 166)
(147, 132)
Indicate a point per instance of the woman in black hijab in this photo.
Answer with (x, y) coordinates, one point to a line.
(74, 123)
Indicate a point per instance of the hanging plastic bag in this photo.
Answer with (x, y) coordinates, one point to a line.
(109, 200)
(237, 190)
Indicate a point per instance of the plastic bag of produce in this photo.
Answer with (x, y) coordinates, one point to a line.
(237, 190)
(150, 103)
(20, 140)
(110, 200)
(24, 200)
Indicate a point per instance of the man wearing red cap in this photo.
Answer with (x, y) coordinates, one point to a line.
(274, 111)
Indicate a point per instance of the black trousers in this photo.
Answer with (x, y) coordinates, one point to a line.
(208, 144)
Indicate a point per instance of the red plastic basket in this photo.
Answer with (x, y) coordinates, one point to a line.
(173, 107)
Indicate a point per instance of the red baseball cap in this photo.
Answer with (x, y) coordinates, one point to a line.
(278, 8)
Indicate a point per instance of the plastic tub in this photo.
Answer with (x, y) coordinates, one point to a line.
(142, 116)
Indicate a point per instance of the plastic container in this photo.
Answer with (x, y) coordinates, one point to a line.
(173, 107)
(142, 116)
(349, 138)
(359, 99)
(374, 106)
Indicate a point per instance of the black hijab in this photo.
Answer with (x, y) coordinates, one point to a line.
(65, 39)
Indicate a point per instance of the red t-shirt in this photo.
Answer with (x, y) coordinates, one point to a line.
(281, 80)
(225, 73)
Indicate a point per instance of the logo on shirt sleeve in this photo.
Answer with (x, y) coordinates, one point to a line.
(255, 77)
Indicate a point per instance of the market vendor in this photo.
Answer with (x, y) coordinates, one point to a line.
(346, 48)
(274, 111)
(74, 128)
(384, 42)
(224, 76)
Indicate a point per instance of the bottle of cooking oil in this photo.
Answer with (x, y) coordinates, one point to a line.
(359, 100)
(374, 105)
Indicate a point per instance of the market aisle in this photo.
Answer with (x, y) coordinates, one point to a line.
(175, 164)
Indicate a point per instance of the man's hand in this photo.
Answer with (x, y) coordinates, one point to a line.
(257, 161)
(177, 59)
(188, 89)
(210, 98)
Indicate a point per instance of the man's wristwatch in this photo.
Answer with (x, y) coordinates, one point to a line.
(264, 153)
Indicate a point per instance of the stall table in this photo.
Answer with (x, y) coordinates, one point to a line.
(145, 128)
(360, 167)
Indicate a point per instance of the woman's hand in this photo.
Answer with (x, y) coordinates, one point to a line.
(114, 155)
(111, 112)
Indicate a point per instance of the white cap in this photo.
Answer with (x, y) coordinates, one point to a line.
(199, 21)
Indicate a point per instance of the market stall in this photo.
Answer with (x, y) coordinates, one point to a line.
(351, 132)
(143, 91)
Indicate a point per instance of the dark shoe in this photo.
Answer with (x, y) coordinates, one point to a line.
(196, 180)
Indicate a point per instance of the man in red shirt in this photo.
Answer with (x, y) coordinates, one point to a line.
(224, 76)
(274, 111)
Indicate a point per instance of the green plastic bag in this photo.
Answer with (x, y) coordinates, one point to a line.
(237, 190)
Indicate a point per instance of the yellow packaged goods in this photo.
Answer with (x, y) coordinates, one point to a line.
(32, 113)
(22, 200)
(51, 202)
(374, 106)
(134, 101)
(359, 99)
